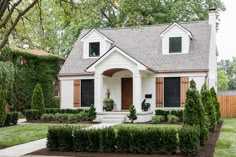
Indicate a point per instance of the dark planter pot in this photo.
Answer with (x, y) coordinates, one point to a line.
(108, 106)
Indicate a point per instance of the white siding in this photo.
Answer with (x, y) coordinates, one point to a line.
(95, 37)
(116, 60)
(149, 87)
(212, 76)
(175, 31)
(199, 81)
(67, 94)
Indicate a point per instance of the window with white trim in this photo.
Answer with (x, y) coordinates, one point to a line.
(175, 44)
(94, 49)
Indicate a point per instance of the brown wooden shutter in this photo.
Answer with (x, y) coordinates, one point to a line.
(159, 92)
(184, 87)
(76, 93)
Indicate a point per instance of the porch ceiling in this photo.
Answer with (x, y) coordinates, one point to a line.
(112, 71)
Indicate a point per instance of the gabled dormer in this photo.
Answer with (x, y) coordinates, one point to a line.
(95, 44)
(175, 39)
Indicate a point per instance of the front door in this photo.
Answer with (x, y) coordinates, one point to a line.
(127, 92)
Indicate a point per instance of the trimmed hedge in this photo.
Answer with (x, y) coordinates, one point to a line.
(32, 114)
(66, 117)
(165, 113)
(124, 139)
(57, 110)
(156, 119)
(11, 118)
(189, 139)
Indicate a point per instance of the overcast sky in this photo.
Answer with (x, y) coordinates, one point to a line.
(226, 34)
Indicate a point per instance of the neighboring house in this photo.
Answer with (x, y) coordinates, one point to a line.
(153, 62)
(24, 59)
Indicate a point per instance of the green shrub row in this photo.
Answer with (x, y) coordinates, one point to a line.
(156, 119)
(71, 114)
(32, 114)
(165, 113)
(124, 139)
(11, 118)
(57, 110)
(65, 116)
(189, 139)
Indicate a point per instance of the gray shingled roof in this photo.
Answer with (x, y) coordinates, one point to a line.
(144, 44)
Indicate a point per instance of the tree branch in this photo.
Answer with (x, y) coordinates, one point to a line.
(3, 7)
(10, 13)
(7, 34)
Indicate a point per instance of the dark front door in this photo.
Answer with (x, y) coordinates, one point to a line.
(87, 93)
(127, 92)
(172, 92)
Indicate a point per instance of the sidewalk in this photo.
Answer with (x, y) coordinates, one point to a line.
(21, 150)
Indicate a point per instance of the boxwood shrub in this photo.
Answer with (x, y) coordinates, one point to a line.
(108, 140)
(52, 137)
(11, 118)
(65, 138)
(81, 116)
(156, 119)
(57, 110)
(32, 114)
(123, 139)
(189, 139)
(178, 113)
(162, 113)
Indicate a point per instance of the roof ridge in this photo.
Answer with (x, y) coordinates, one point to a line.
(140, 26)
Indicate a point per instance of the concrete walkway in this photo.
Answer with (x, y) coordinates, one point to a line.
(21, 150)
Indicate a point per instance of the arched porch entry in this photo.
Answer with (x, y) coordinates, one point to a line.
(120, 83)
(125, 86)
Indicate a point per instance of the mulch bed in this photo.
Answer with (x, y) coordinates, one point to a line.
(205, 151)
(61, 122)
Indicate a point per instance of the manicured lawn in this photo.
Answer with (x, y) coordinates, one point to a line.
(226, 144)
(18, 134)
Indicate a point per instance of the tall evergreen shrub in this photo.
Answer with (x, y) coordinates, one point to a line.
(209, 108)
(2, 107)
(194, 113)
(216, 104)
(38, 100)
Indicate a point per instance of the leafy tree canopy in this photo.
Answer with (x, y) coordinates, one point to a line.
(54, 25)
(227, 74)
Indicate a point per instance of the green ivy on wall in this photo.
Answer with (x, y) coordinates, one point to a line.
(38, 69)
(6, 76)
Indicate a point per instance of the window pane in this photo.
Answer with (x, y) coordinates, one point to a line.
(172, 92)
(87, 93)
(175, 44)
(94, 49)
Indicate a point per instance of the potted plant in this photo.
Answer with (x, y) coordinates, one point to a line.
(108, 103)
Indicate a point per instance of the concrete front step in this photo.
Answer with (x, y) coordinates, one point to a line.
(113, 119)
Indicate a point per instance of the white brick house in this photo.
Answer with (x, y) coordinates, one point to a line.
(153, 62)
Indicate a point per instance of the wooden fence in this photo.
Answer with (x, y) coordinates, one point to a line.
(227, 100)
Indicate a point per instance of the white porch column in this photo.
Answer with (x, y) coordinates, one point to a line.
(98, 92)
(137, 91)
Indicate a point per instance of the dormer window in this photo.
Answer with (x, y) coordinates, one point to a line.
(94, 49)
(175, 44)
